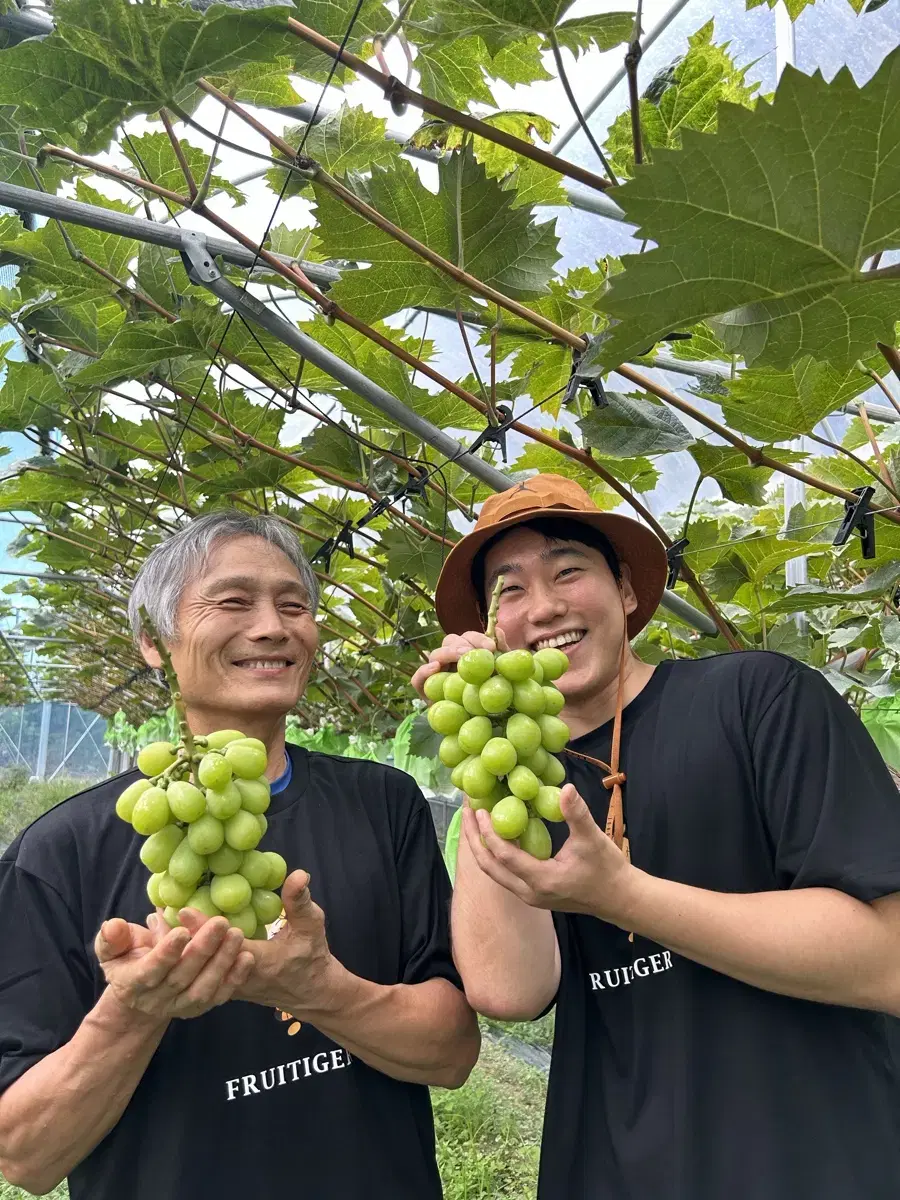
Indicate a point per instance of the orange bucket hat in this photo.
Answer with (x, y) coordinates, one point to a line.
(458, 606)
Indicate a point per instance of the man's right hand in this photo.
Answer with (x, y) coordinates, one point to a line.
(168, 973)
(451, 650)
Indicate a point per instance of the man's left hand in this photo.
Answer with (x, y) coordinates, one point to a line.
(294, 970)
(589, 874)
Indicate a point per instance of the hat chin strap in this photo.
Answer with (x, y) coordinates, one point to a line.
(615, 817)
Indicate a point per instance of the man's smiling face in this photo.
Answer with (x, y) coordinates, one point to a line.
(561, 593)
(246, 634)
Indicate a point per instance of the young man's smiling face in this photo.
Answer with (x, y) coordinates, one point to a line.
(561, 593)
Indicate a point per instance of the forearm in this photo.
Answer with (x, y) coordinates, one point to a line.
(505, 950)
(420, 1033)
(813, 943)
(62, 1107)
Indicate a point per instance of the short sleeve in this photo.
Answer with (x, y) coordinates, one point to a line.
(425, 901)
(46, 988)
(831, 808)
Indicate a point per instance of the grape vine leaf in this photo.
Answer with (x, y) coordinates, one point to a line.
(771, 221)
(92, 324)
(796, 7)
(633, 424)
(807, 597)
(408, 554)
(154, 158)
(739, 480)
(452, 71)
(347, 139)
(104, 59)
(503, 22)
(266, 84)
(332, 19)
(776, 406)
(502, 245)
(30, 396)
(684, 97)
(137, 349)
(520, 62)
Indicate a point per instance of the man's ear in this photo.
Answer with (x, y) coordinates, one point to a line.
(149, 652)
(629, 599)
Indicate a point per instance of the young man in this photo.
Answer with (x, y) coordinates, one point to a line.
(121, 1064)
(720, 989)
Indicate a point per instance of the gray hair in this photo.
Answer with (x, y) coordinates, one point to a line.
(171, 565)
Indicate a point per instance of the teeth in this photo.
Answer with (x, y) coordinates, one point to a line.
(267, 664)
(561, 639)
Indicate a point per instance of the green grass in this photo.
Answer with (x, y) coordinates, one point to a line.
(488, 1133)
(534, 1033)
(22, 802)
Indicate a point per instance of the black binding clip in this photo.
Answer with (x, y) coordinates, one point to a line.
(675, 559)
(342, 540)
(495, 433)
(583, 379)
(858, 516)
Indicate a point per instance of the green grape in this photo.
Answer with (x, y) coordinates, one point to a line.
(153, 889)
(171, 916)
(434, 686)
(546, 803)
(524, 733)
(523, 783)
(450, 752)
(471, 701)
(474, 734)
(261, 935)
(151, 812)
(535, 839)
(246, 760)
(214, 771)
(243, 831)
(230, 893)
(454, 687)
(476, 666)
(172, 893)
(206, 834)
(186, 865)
(509, 818)
(226, 861)
(156, 758)
(554, 773)
(554, 733)
(554, 700)
(202, 901)
(528, 698)
(456, 775)
(279, 870)
(221, 738)
(496, 695)
(255, 868)
(552, 662)
(159, 848)
(478, 782)
(499, 755)
(186, 801)
(537, 671)
(256, 794)
(251, 741)
(262, 822)
(266, 905)
(515, 665)
(225, 803)
(446, 717)
(536, 762)
(485, 802)
(244, 920)
(127, 800)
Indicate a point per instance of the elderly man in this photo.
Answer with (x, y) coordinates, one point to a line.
(149, 1063)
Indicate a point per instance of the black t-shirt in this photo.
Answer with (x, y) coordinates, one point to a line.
(231, 1105)
(670, 1081)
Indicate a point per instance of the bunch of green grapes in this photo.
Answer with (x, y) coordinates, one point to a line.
(202, 810)
(499, 717)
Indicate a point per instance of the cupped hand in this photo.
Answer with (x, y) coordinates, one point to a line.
(451, 650)
(169, 973)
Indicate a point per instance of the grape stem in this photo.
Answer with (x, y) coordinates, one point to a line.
(172, 680)
(495, 606)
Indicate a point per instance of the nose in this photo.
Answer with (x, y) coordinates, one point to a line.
(267, 623)
(546, 606)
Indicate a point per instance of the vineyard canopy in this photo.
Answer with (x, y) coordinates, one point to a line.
(312, 260)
